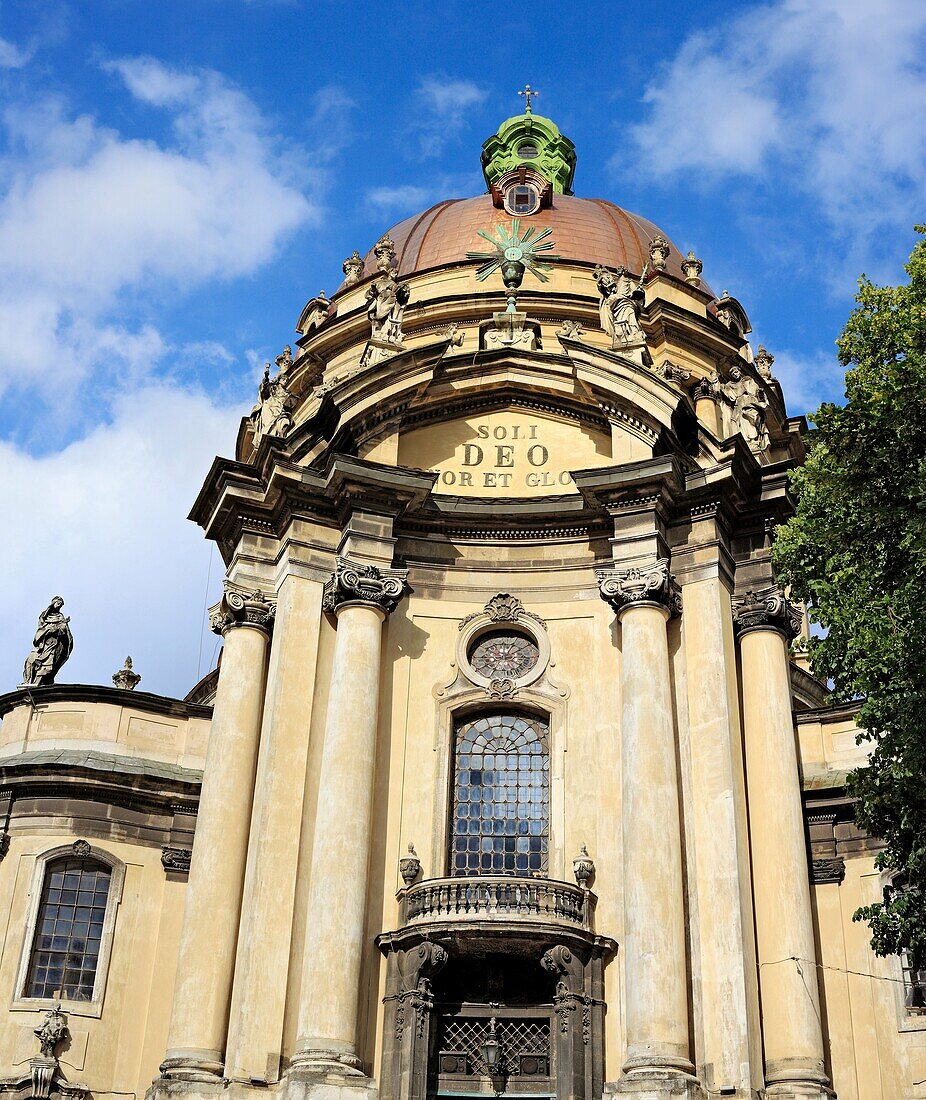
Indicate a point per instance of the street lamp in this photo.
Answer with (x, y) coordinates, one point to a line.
(492, 1051)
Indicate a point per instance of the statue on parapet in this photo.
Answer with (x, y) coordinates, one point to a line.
(51, 646)
(272, 415)
(748, 407)
(620, 305)
(386, 302)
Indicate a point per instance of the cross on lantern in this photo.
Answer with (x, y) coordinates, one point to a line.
(528, 93)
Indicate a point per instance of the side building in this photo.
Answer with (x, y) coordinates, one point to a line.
(513, 779)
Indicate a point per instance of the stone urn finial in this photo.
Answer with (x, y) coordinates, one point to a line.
(692, 268)
(126, 678)
(410, 866)
(583, 867)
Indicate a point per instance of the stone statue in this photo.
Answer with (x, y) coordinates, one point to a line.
(748, 405)
(621, 302)
(52, 1031)
(386, 302)
(51, 646)
(272, 415)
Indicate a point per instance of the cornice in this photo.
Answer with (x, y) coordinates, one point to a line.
(231, 499)
(100, 693)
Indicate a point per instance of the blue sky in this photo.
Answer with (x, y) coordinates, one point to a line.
(177, 179)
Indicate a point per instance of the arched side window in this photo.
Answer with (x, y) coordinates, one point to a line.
(500, 820)
(69, 929)
(75, 892)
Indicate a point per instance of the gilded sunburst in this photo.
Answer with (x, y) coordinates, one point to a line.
(513, 254)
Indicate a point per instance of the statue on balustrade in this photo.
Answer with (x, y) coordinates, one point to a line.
(51, 646)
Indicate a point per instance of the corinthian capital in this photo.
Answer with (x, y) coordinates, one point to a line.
(766, 609)
(640, 584)
(353, 583)
(242, 609)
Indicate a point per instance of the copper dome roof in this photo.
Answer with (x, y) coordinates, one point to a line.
(586, 230)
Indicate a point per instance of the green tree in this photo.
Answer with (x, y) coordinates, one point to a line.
(856, 551)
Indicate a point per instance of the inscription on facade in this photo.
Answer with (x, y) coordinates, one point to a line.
(504, 457)
(505, 453)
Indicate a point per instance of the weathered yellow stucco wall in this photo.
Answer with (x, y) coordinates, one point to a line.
(875, 1049)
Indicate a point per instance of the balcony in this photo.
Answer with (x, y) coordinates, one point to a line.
(501, 898)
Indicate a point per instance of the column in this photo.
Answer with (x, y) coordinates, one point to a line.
(718, 855)
(655, 962)
(255, 1031)
(791, 1031)
(360, 596)
(199, 1017)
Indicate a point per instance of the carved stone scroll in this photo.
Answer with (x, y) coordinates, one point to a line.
(242, 609)
(766, 609)
(640, 584)
(353, 582)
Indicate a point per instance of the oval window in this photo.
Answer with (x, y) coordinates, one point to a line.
(522, 199)
(528, 151)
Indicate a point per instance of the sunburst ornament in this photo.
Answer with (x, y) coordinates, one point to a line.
(513, 255)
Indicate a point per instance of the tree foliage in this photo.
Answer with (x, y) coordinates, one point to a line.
(856, 551)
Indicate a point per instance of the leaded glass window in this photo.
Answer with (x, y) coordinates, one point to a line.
(69, 929)
(504, 654)
(501, 795)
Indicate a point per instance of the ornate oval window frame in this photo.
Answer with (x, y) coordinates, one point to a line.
(503, 610)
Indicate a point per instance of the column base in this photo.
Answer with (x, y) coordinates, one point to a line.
(799, 1090)
(657, 1084)
(321, 1075)
(794, 1079)
(206, 1087)
(193, 1065)
(325, 1060)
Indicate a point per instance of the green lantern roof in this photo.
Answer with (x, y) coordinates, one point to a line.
(530, 141)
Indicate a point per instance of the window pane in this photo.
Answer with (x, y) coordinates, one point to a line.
(58, 965)
(506, 773)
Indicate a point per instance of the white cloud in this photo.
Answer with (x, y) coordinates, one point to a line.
(809, 379)
(87, 214)
(396, 201)
(825, 97)
(439, 110)
(11, 56)
(102, 523)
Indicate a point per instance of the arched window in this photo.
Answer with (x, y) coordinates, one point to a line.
(501, 795)
(69, 929)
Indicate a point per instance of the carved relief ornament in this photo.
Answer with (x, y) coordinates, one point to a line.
(417, 969)
(352, 582)
(242, 609)
(766, 609)
(569, 997)
(640, 584)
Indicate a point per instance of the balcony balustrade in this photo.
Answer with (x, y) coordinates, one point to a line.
(497, 897)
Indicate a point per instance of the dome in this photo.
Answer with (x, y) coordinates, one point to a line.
(528, 153)
(592, 231)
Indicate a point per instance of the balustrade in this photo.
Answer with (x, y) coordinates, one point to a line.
(497, 897)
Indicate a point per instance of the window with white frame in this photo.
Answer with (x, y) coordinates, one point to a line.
(75, 892)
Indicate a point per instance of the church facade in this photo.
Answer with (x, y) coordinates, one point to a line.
(512, 779)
